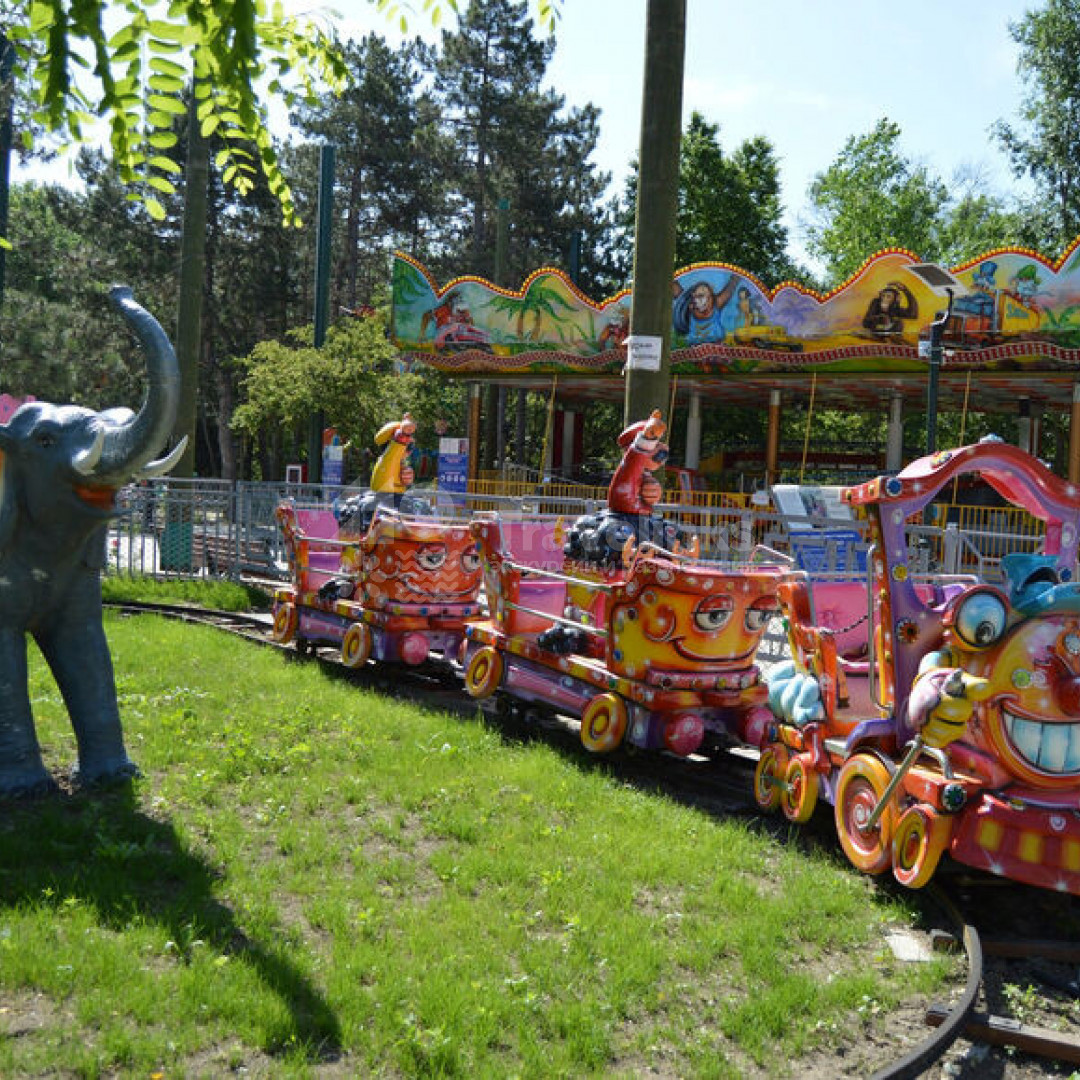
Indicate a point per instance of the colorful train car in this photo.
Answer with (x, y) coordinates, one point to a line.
(958, 730)
(647, 644)
(380, 583)
(401, 592)
(663, 660)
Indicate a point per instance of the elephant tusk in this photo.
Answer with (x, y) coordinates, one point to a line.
(163, 465)
(86, 460)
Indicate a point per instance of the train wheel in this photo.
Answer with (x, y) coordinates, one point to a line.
(769, 777)
(356, 645)
(603, 723)
(285, 622)
(799, 795)
(920, 838)
(484, 674)
(863, 780)
(683, 734)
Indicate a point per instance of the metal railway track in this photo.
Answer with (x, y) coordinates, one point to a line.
(697, 781)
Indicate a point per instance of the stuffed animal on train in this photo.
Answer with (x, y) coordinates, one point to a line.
(599, 539)
(391, 478)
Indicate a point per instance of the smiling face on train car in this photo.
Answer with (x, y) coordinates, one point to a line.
(427, 568)
(1031, 722)
(674, 619)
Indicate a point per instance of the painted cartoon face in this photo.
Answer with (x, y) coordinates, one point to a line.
(677, 620)
(1031, 722)
(701, 298)
(433, 570)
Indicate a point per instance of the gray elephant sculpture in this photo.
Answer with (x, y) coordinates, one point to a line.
(60, 469)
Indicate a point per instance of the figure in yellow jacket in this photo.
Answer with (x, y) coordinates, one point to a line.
(392, 472)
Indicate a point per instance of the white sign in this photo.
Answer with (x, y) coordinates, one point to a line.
(643, 352)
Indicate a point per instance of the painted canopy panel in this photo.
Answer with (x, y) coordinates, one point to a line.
(1013, 310)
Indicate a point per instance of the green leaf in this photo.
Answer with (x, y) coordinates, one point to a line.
(168, 67)
(182, 33)
(159, 183)
(166, 104)
(166, 84)
(165, 164)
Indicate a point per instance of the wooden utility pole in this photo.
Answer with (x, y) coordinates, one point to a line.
(648, 373)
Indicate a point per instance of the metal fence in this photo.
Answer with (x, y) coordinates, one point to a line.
(189, 528)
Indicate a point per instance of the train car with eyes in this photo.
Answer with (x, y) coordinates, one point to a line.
(649, 645)
(383, 578)
(667, 664)
(958, 733)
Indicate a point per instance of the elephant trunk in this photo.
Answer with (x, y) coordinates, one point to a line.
(131, 442)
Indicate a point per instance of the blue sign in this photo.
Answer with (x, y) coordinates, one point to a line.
(454, 467)
(332, 470)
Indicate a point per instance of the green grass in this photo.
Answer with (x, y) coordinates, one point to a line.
(314, 880)
(214, 593)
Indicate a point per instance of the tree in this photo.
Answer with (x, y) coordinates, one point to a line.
(56, 317)
(977, 220)
(1046, 144)
(75, 63)
(373, 125)
(729, 206)
(873, 197)
(514, 142)
(351, 379)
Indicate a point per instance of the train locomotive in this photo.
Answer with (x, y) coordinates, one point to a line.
(959, 732)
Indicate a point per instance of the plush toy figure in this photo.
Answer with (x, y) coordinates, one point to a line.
(794, 695)
(392, 472)
(600, 539)
(633, 488)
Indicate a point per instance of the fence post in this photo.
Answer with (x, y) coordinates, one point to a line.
(950, 549)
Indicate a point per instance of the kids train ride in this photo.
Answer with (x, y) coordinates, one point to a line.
(935, 714)
(955, 728)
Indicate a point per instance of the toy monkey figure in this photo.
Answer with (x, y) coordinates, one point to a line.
(392, 472)
(633, 488)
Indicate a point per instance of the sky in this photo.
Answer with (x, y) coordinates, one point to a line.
(805, 74)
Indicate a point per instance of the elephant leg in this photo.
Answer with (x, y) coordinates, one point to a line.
(22, 772)
(78, 654)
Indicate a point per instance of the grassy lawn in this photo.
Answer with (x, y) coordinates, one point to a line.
(311, 879)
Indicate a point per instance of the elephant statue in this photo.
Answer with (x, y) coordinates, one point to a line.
(60, 469)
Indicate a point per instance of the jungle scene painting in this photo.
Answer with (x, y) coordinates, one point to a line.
(1011, 309)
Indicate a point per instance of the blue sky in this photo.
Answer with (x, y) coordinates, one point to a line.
(806, 74)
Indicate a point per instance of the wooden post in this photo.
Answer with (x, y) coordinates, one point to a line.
(474, 432)
(1074, 436)
(657, 202)
(772, 440)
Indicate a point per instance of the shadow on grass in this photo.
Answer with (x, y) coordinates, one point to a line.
(100, 848)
